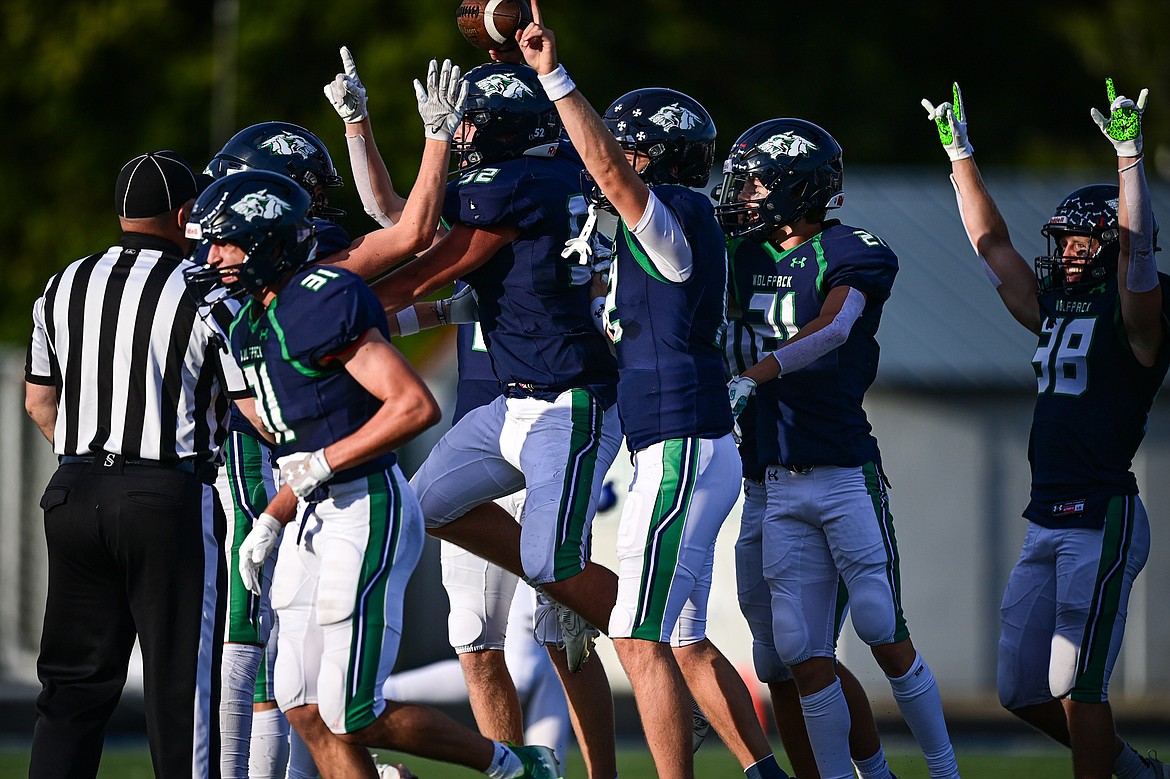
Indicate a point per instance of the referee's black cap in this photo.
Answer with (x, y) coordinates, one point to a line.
(155, 183)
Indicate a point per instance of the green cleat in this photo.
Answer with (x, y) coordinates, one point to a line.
(539, 762)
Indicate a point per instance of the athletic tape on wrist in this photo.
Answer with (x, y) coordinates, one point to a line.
(557, 84)
(407, 321)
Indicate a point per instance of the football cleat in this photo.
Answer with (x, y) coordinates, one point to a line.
(539, 762)
(700, 726)
(578, 636)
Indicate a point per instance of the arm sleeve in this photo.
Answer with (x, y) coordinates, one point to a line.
(991, 275)
(662, 237)
(360, 164)
(805, 351)
(218, 326)
(39, 366)
(1143, 268)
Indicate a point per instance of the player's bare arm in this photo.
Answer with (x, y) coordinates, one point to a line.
(40, 401)
(460, 251)
(603, 157)
(247, 407)
(1138, 285)
(407, 408)
(440, 105)
(985, 226)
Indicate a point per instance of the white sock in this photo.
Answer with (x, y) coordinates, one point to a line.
(237, 683)
(1130, 765)
(505, 764)
(269, 758)
(439, 682)
(918, 700)
(826, 717)
(300, 762)
(874, 767)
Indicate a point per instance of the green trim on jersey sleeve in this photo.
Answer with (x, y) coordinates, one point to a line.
(641, 257)
(301, 368)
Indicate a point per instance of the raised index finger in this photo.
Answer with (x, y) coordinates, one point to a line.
(1110, 90)
(536, 14)
(347, 62)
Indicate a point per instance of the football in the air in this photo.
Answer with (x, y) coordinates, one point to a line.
(492, 24)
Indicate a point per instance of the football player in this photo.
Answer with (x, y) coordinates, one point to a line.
(254, 734)
(1099, 308)
(827, 525)
(247, 483)
(509, 214)
(335, 398)
(751, 334)
(665, 312)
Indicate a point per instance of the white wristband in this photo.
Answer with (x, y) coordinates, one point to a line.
(407, 321)
(597, 308)
(557, 84)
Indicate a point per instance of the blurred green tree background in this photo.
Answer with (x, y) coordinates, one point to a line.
(87, 84)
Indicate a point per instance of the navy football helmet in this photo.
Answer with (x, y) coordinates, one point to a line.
(672, 130)
(282, 147)
(1092, 212)
(510, 114)
(796, 162)
(263, 213)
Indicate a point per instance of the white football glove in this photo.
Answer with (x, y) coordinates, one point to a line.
(346, 92)
(441, 104)
(951, 121)
(582, 245)
(305, 471)
(256, 547)
(1123, 127)
(739, 390)
(462, 308)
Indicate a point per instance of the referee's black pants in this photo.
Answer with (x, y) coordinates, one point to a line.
(133, 550)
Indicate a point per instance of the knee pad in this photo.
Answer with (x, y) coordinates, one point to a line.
(789, 632)
(871, 605)
(1062, 666)
(770, 669)
(465, 630)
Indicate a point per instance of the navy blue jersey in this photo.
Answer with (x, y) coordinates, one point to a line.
(1093, 398)
(331, 238)
(478, 384)
(535, 321)
(814, 416)
(667, 334)
(306, 399)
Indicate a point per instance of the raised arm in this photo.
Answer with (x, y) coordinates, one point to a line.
(440, 105)
(603, 157)
(1138, 285)
(1011, 274)
(347, 94)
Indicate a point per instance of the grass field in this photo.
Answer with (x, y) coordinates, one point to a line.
(986, 761)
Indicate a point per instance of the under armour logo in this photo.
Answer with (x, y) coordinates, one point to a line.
(109, 461)
(797, 262)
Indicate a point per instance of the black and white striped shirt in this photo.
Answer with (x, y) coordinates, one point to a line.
(138, 370)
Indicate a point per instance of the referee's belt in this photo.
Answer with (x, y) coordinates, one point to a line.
(114, 461)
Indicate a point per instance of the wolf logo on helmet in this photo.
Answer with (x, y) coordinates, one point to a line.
(787, 144)
(260, 204)
(506, 85)
(288, 143)
(675, 115)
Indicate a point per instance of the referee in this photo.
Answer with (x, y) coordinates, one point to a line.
(130, 383)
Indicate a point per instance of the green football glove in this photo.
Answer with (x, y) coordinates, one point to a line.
(1123, 127)
(951, 121)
